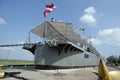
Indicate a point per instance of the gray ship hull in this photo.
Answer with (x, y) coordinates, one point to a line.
(49, 57)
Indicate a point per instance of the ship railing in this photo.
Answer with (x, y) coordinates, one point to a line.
(24, 44)
(55, 42)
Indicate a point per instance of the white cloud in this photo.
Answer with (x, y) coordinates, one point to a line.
(90, 10)
(88, 16)
(96, 41)
(108, 36)
(89, 19)
(106, 32)
(2, 21)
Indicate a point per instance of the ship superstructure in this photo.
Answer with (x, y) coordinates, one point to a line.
(63, 48)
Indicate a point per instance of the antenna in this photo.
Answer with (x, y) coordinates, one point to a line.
(29, 37)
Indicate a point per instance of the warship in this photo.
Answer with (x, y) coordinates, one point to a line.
(62, 47)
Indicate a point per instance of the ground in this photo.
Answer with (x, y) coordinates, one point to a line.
(63, 74)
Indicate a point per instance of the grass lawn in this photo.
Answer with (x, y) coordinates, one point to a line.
(5, 63)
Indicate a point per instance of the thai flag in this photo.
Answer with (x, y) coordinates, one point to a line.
(49, 8)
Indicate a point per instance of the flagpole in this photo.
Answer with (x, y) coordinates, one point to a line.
(44, 26)
(44, 29)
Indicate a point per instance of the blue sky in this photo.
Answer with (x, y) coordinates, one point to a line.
(99, 17)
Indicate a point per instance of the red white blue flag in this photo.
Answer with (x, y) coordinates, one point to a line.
(49, 8)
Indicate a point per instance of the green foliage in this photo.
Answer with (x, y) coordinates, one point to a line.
(5, 63)
(113, 60)
(119, 59)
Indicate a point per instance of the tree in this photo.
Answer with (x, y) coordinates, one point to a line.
(113, 60)
(119, 59)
